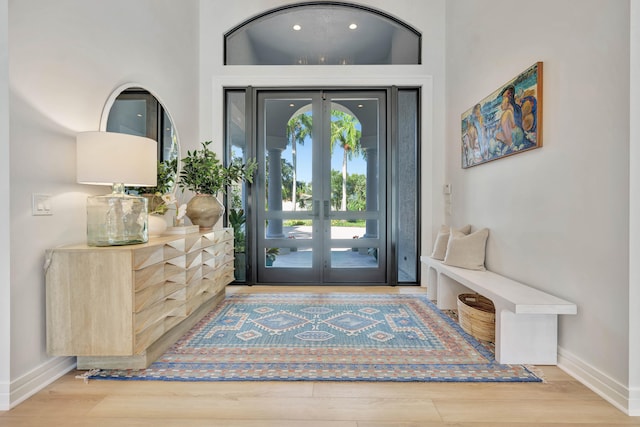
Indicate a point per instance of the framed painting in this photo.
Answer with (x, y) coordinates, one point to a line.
(507, 122)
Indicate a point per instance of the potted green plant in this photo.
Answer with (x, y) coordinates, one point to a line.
(270, 255)
(237, 221)
(160, 196)
(204, 174)
(165, 182)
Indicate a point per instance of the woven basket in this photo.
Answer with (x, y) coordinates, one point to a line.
(477, 316)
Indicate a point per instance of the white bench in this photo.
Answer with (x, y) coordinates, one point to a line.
(526, 318)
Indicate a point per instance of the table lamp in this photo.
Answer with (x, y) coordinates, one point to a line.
(119, 160)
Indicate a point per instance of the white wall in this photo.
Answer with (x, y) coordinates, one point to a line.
(5, 302)
(558, 216)
(66, 57)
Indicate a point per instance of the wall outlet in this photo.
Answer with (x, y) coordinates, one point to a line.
(446, 189)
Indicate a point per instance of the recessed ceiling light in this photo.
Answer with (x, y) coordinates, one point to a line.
(292, 105)
(360, 105)
(353, 26)
(297, 27)
(139, 115)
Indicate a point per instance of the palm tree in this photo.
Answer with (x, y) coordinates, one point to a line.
(347, 136)
(298, 128)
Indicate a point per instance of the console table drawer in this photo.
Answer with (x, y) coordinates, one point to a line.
(110, 305)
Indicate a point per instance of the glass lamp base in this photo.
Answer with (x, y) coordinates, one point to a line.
(116, 219)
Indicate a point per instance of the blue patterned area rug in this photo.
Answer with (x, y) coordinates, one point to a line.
(332, 337)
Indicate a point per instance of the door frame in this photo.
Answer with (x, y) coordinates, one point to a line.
(431, 208)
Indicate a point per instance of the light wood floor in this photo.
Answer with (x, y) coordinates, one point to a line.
(559, 401)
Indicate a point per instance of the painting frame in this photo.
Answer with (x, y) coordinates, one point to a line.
(506, 122)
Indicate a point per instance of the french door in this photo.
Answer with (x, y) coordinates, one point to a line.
(320, 194)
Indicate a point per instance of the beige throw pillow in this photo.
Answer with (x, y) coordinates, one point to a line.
(442, 239)
(467, 251)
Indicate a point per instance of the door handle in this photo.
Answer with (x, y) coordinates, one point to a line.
(327, 209)
(316, 208)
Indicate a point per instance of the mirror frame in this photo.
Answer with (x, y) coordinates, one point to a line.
(104, 118)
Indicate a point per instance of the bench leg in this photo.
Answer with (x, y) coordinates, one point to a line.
(526, 338)
(448, 291)
(432, 283)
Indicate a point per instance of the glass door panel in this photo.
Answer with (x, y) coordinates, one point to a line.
(355, 245)
(287, 250)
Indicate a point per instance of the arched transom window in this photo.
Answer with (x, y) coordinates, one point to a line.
(322, 33)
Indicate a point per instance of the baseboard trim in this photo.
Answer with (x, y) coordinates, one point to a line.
(634, 402)
(35, 380)
(606, 387)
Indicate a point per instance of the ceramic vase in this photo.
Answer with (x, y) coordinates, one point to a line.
(156, 225)
(204, 210)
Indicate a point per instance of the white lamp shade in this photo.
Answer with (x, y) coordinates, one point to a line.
(107, 158)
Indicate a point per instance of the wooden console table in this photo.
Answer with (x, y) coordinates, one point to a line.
(123, 306)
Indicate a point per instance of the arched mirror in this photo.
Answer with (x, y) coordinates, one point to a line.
(134, 110)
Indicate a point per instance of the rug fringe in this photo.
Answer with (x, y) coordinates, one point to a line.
(85, 377)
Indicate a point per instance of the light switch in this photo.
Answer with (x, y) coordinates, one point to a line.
(41, 204)
(446, 189)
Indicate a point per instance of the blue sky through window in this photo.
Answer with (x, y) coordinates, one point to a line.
(357, 165)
